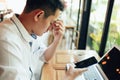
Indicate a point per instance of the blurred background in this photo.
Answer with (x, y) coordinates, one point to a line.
(90, 24)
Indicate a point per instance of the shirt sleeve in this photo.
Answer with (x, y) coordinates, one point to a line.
(40, 49)
(42, 58)
(10, 64)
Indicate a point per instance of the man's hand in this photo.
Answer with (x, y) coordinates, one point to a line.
(58, 29)
(58, 32)
(72, 73)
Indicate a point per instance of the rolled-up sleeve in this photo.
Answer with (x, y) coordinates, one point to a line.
(39, 48)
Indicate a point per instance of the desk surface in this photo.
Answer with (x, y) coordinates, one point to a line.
(55, 69)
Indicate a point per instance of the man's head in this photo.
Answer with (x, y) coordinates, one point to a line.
(39, 14)
(48, 6)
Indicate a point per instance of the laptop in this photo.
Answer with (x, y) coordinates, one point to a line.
(108, 68)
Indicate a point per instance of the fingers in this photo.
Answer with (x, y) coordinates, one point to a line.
(74, 72)
(69, 67)
(81, 70)
(58, 25)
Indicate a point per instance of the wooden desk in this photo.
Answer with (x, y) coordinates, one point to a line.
(55, 69)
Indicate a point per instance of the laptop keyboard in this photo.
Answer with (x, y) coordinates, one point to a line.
(92, 74)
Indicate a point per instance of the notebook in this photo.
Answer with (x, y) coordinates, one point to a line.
(108, 68)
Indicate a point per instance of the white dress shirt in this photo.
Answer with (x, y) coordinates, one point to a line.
(21, 55)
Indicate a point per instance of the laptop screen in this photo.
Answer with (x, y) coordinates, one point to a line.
(110, 63)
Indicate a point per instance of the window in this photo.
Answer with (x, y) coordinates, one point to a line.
(96, 23)
(114, 30)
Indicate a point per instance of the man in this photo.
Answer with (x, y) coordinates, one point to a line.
(20, 45)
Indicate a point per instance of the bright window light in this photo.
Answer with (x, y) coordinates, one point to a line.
(16, 5)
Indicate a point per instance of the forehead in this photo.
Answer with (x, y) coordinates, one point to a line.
(56, 15)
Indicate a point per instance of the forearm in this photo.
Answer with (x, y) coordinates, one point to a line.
(58, 31)
(50, 51)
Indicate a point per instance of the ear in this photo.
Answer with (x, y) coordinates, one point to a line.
(38, 14)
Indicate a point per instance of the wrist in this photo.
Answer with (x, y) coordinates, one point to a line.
(58, 40)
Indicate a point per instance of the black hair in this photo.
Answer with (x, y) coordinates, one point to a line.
(48, 6)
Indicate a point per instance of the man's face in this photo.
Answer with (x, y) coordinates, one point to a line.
(44, 24)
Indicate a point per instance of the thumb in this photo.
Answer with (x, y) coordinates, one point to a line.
(81, 70)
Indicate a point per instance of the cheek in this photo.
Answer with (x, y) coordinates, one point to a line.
(47, 26)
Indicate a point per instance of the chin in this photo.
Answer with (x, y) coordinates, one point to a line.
(40, 34)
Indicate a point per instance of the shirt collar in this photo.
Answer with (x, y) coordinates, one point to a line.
(22, 29)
